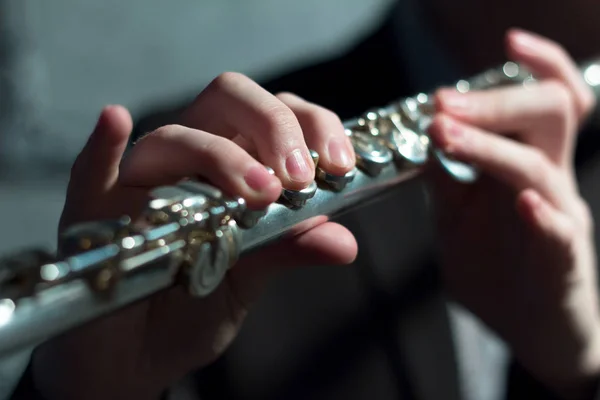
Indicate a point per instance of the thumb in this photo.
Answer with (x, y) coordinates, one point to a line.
(314, 242)
(97, 166)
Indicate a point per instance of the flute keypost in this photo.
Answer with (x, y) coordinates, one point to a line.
(192, 233)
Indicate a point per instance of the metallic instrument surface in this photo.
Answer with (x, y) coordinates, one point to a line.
(192, 233)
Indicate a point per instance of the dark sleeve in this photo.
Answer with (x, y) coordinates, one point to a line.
(521, 385)
(26, 389)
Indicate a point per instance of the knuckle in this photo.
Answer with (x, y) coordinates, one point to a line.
(216, 146)
(559, 52)
(227, 80)
(321, 119)
(491, 104)
(211, 151)
(329, 116)
(164, 132)
(569, 241)
(287, 96)
(585, 216)
(540, 167)
(276, 119)
(562, 98)
(538, 159)
(561, 112)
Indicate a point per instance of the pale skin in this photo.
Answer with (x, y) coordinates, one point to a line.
(535, 262)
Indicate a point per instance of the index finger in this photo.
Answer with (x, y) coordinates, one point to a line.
(548, 60)
(233, 104)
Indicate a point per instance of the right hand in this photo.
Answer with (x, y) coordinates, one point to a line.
(226, 136)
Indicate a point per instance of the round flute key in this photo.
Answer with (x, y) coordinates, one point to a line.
(165, 196)
(299, 198)
(407, 144)
(336, 182)
(235, 241)
(249, 218)
(201, 188)
(458, 170)
(371, 155)
(209, 266)
(410, 109)
(235, 207)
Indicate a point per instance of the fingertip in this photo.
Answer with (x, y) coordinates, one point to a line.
(512, 35)
(451, 101)
(273, 190)
(99, 159)
(350, 246)
(436, 129)
(114, 124)
(263, 187)
(446, 133)
(520, 43)
(329, 243)
(299, 170)
(338, 157)
(119, 113)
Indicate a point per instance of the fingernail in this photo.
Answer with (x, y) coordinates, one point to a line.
(258, 178)
(452, 135)
(453, 130)
(297, 166)
(338, 152)
(456, 101)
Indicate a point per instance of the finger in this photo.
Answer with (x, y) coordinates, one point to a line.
(174, 152)
(326, 244)
(235, 105)
(548, 60)
(542, 116)
(517, 165)
(324, 133)
(97, 165)
(96, 168)
(548, 223)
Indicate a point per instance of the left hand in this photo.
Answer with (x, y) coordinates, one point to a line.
(517, 246)
(138, 351)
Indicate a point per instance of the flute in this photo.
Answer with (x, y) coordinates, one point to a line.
(192, 233)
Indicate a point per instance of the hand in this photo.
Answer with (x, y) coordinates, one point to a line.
(517, 246)
(139, 351)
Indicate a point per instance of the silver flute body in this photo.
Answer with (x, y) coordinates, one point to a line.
(191, 233)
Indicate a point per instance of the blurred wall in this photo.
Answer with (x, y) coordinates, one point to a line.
(61, 61)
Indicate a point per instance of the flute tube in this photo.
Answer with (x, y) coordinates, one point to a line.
(28, 320)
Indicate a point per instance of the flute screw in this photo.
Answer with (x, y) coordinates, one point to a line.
(315, 157)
